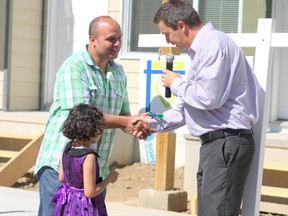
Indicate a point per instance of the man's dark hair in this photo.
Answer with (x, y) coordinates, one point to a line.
(173, 11)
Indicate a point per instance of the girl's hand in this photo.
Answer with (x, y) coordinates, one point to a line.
(113, 175)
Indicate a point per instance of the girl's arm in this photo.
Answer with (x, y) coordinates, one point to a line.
(61, 173)
(89, 174)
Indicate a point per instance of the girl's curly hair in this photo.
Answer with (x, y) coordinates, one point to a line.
(83, 122)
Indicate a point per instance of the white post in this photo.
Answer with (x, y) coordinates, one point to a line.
(252, 192)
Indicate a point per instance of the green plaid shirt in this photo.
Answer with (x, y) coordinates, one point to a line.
(80, 81)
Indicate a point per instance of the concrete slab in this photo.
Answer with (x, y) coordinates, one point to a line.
(14, 202)
(116, 209)
(172, 200)
(18, 202)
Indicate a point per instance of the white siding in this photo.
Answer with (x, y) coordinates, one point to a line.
(25, 55)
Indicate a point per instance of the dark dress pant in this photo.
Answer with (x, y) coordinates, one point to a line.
(223, 169)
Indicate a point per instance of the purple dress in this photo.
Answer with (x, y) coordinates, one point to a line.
(70, 198)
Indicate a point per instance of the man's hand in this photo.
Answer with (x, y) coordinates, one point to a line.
(139, 122)
(137, 126)
(168, 77)
(125, 122)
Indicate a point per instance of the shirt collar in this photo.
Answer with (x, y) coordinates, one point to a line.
(199, 38)
(87, 56)
(89, 60)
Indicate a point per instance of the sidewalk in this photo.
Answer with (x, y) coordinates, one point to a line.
(18, 202)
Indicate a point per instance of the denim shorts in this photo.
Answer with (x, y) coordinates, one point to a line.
(48, 186)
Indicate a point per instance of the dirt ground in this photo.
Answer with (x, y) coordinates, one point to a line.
(132, 179)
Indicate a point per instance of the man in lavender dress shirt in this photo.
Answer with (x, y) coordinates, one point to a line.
(218, 104)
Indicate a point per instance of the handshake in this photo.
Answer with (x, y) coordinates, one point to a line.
(137, 125)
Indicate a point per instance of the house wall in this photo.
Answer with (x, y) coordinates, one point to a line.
(280, 65)
(131, 66)
(126, 151)
(67, 33)
(2, 47)
(24, 69)
(1, 88)
(2, 32)
(252, 11)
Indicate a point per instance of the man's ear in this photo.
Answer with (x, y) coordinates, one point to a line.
(180, 25)
(92, 38)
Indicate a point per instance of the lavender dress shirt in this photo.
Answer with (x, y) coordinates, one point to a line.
(220, 90)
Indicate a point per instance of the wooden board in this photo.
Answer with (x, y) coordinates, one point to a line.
(18, 165)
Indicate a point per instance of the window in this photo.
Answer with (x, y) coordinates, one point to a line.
(222, 13)
(138, 19)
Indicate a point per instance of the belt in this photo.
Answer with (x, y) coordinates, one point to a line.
(208, 137)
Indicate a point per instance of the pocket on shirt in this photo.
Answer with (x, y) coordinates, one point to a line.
(116, 100)
(96, 95)
(116, 94)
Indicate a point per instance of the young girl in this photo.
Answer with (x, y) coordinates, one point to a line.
(81, 193)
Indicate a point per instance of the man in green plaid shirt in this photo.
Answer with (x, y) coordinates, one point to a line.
(92, 77)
